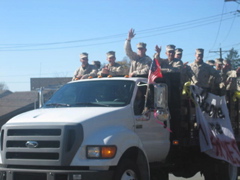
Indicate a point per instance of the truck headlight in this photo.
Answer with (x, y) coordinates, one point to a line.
(101, 152)
(93, 152)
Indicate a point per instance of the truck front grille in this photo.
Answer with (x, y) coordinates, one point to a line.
(42, 146)
(34, 132)
(16, 155)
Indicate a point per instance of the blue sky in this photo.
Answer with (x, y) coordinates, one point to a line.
(44, 38)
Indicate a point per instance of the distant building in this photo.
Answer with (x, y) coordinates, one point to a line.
(37, 83)
(4, 93)
(12, 104)
(16, 103)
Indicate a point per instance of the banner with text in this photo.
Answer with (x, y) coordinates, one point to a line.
(215, 129)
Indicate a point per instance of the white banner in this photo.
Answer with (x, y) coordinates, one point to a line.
(215, 129)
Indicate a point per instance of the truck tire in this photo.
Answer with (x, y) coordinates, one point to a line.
(127, 170)
(221, 171)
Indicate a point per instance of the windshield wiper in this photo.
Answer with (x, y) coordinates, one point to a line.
(58, 104)
(91, 104)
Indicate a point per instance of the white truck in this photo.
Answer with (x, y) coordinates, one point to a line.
(93, 129)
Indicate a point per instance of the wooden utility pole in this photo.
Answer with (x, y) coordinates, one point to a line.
(220, 51)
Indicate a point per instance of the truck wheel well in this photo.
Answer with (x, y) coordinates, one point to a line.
(138, 156)
(131, 153)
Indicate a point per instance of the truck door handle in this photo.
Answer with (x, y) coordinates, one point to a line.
(139, 126)
(165, 124)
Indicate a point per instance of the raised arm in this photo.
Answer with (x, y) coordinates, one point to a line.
(128, 48)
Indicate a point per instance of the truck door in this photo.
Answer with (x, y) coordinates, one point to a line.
(153, 127)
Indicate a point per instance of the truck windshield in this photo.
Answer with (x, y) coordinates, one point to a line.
(104, 93)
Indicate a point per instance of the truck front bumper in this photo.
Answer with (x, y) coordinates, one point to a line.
(35, 174)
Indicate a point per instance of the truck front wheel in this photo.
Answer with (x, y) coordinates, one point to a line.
(127, 170)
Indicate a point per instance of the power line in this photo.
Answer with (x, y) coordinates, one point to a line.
(231, 25)
(183, 28)
(109, 42)
(180, 26)
(218, 28)
(187, 22)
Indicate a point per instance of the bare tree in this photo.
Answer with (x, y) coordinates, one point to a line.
(3, 86)
(126, 64)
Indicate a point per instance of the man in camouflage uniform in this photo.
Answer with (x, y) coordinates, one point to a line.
(231, 80)
(219, 64)
(140, 62)
(211, 63)
(178, 53)
(85, 70)
(97, 64)
(214, 87)
(172, 64)
(229, 76)
(211, 79)
(203, 71)
(112, 68)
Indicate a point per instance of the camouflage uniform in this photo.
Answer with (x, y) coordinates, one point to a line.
(170, 66)
(115, 70)
(139, 65)
(202, 74)
(232, 86)
(90, 70)
(187, 74)
(176, 66)
(230, 80)
(211, 81)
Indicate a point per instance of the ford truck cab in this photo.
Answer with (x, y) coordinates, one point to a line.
(90, 129)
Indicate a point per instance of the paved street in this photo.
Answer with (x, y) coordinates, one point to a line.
(196, 177)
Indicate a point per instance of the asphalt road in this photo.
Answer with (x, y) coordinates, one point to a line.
(196, 177)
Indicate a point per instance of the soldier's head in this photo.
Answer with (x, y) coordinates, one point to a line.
(227, 65)
(97, 64)
(211, 62)
(111, 57)
(170, 52)
(84, 58)
(142, 48)
(178, 53)
(199, 53)
(219, 63)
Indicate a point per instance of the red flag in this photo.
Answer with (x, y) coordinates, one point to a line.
(154, 72)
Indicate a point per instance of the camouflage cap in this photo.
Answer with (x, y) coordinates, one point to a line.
(199, 51)
(141, 45)
(84, 55)
(96, 63)
(219, 61)
(170, 47)
(227, 61)
(178, 51)
(111, 54)
(211, 62)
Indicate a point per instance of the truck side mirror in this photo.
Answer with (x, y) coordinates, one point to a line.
(160, 96)
(161, 102)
